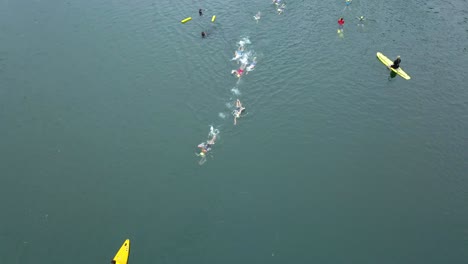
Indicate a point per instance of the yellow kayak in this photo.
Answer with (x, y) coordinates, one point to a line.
(388, 62)
(122, 255)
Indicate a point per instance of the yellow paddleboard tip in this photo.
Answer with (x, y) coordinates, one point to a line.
(183, 21)
(213, 19)
(122, 255)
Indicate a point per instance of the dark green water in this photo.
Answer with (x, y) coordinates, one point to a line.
(102, 104)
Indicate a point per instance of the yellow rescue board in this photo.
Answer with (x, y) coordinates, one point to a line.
(213, 18)
(122, 255)
(183, 21)
(388, 62)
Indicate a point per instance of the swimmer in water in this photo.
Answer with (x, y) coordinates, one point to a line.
(257, 16)
(205, 147)
(238, 111)
(240, 49)
(203, 34)
(239, 72)
(281, 9)
(361, 20)
(200, 12)
(252, 65)
(348, 3)
(340, 24)
(238, 54)
(276, 2)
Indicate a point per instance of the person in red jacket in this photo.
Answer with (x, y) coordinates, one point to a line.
(340, 23)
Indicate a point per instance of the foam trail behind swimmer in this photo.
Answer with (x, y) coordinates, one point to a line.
(235, 91)
(244, 60)
(244, 41)
(213, 131)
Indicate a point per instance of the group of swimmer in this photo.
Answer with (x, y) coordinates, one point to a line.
(205, 147)
(341, 22)
(279, 7)
(203, 33)
(361, 19)
(242, 57)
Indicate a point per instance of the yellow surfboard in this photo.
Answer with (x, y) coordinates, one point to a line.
(213, 19)
(122, 255)
(388, 62)
(183, 21)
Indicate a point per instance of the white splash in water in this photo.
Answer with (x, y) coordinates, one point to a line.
(244, 60)
(213, 131)
(235, 91)
(244, 41)
(258, 16)
(222, 115)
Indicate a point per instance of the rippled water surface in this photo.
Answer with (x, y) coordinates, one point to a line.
(102, 105)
